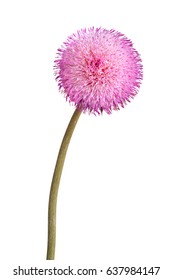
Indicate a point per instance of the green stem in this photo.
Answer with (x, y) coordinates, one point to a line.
(55, 186)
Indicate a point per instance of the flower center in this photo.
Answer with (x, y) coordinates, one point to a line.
(95, 70)
(95, 63)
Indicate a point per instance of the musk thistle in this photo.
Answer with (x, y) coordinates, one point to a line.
(97, 70)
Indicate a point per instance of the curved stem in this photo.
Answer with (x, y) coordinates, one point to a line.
(55, 186)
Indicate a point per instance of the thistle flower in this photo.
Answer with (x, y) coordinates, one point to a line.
(98, 69)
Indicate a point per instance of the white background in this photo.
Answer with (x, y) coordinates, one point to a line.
(115, 200)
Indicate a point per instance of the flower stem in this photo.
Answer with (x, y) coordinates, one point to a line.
(55, 185)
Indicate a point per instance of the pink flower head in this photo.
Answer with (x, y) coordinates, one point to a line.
(98, 69)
